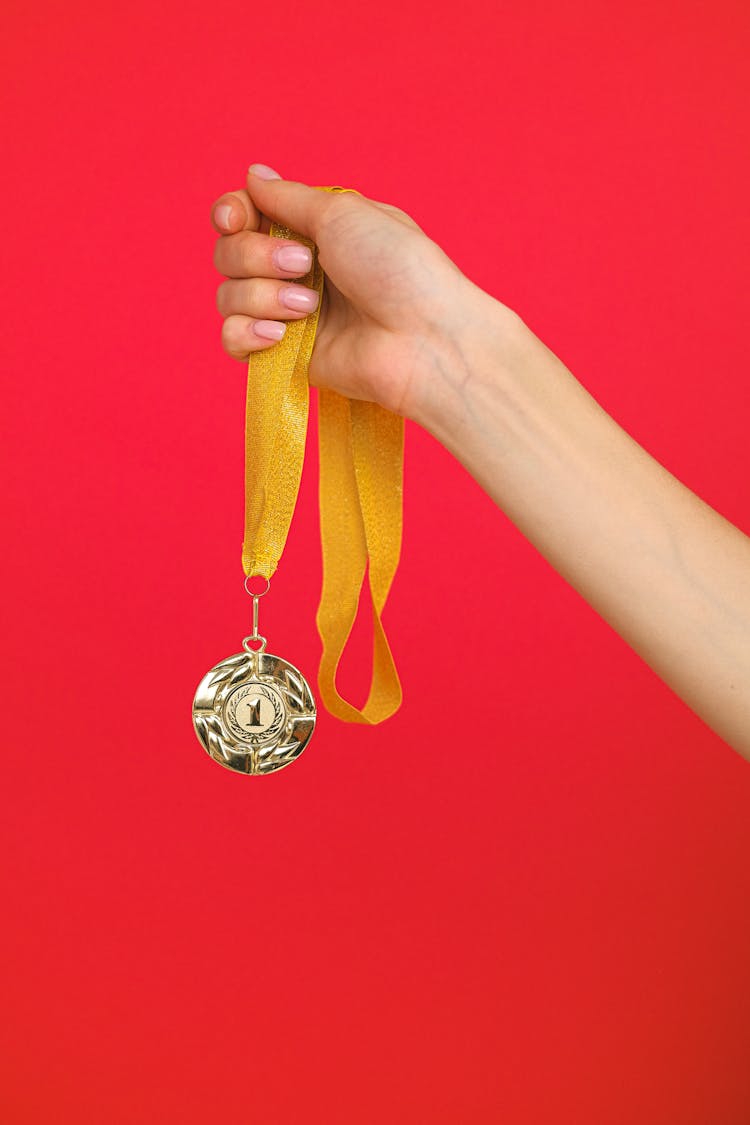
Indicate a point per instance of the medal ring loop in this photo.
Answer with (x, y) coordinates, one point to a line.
(250, 578)
(248, 642)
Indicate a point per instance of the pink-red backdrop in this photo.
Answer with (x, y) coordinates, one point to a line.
(536, 911)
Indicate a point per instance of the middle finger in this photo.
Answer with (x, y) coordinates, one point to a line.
(250, 254)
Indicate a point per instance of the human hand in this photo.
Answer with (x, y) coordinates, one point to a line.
(390, 299)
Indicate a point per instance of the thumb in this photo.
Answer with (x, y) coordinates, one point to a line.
(288, 203)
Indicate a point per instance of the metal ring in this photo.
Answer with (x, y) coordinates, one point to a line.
(260, 595)
(261, 648)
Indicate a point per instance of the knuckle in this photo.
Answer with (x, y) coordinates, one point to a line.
(255, 288)
(338, 205)
(220, 254)
(222, 298)
(247, 255)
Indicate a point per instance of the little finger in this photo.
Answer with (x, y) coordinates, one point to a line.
(242, 335)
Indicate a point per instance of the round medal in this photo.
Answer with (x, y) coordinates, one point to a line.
(254, 713)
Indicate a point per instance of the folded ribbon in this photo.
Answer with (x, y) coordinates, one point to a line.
(361, 476)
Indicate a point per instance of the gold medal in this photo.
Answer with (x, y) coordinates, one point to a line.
(253, 712)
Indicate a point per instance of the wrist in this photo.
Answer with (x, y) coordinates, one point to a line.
(476, 354)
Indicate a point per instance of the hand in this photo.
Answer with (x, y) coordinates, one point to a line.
(391, 294)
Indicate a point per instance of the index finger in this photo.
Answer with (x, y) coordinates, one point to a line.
(235, 211)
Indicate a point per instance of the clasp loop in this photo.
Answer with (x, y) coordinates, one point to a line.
(255, 635)
(252, 578)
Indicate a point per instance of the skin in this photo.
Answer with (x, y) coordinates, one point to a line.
(402, 326)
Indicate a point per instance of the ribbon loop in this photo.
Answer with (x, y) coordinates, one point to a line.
(361, 484)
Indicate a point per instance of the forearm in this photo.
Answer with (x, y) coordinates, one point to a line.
(669, 573)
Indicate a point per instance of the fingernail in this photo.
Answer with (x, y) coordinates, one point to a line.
(269, 329)
(293, 259)
(264, 172)
(299, 298)
(222, 215)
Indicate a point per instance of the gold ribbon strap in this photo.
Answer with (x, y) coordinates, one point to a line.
(361, 474)
(275, 430)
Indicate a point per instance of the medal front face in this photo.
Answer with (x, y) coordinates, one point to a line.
(254, 713)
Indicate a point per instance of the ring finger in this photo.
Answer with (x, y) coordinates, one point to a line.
(254, 310)
(262, 297)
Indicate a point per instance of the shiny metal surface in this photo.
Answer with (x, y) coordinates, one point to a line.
(253, 712)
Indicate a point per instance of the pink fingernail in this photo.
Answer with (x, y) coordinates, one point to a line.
(264, 172)
(269, 329)
(292, 259)
(298, 298)
(223, 215)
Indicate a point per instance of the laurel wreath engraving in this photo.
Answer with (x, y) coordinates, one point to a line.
(261, 736)
(221, 743)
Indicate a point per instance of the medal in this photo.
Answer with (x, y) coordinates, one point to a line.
(253, 712)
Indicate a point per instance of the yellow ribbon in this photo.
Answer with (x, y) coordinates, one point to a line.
(361, 474)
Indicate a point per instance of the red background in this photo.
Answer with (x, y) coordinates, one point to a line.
(535, 912)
